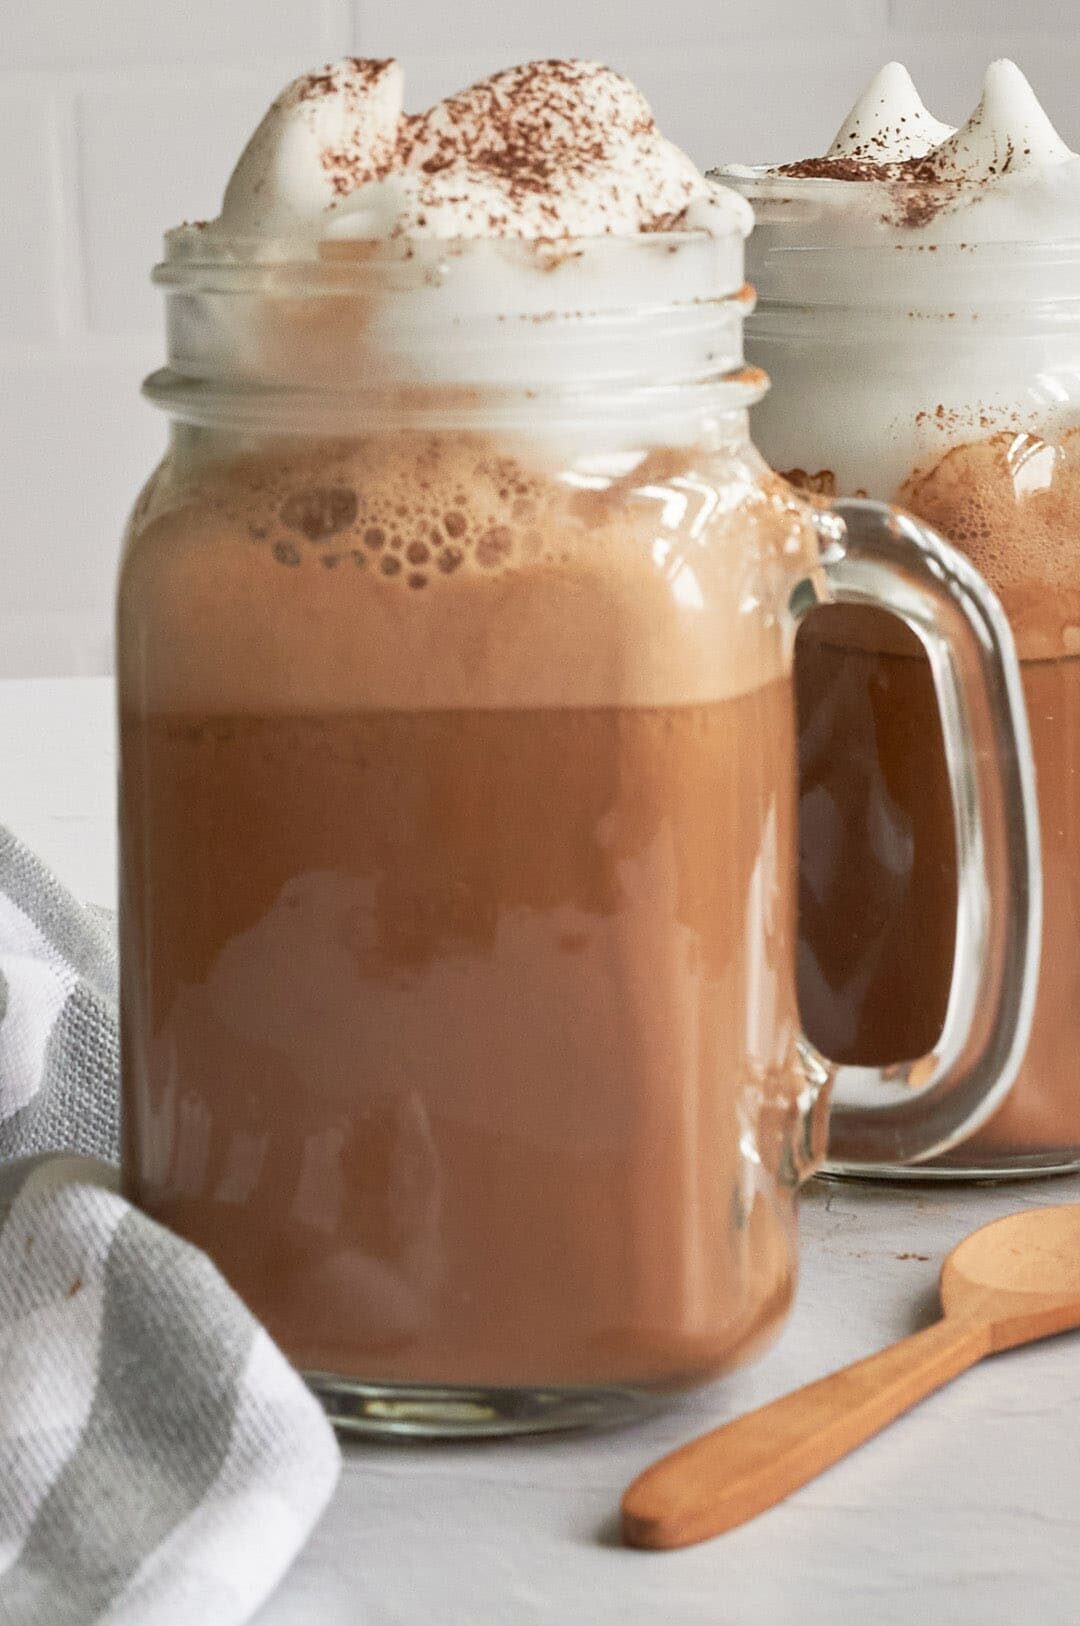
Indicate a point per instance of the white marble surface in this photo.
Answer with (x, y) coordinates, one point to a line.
(965, 1513)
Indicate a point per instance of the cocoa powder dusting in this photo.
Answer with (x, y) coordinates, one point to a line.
(836, 169)
(531, 129)
(916, 190)
(365, 71)
(530, 136)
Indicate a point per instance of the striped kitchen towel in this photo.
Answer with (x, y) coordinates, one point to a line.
(160, 1461)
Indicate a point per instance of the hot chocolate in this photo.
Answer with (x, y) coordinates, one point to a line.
(458, 786)
(940, 309)
(451, 906)
(1013, 503)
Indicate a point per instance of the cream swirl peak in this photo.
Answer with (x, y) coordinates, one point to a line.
(1008, 133)
(324, 136)
(889, 123)
(546, 150)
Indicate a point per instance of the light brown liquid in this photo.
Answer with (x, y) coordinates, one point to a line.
(876, 951)
(450, 1023)
(448, 1029)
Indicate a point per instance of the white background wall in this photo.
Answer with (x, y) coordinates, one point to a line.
(120, 117)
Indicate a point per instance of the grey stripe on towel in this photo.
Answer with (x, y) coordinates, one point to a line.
(160, 1462)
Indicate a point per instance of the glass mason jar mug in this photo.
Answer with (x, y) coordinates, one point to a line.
(458, 823)
(945, 376)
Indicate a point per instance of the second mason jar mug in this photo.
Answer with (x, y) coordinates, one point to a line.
(458, 818)
(917, 357)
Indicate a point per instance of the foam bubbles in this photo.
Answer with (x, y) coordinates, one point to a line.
(425, 570)
(414, 526)
(1011, 503)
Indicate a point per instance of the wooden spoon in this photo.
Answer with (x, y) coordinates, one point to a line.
(1007, 1284)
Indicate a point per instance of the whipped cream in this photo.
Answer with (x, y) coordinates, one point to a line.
(1004, 176)
(917, 285)
(890, 135)
(1008, 134)
(534, 233)
(889, 123)
(545, 150)
(325, 135)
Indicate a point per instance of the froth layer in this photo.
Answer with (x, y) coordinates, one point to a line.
(1011, 503)
(439, 571)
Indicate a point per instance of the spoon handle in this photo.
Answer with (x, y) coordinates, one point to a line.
(735, 1472)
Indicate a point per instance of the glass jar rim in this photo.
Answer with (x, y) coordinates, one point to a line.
(398, 320)
(856, 246)
(200, 256)
(856, 220)
(391, 317)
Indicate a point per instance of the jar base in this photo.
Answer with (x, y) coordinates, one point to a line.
(974, 1168)
(453, 1412)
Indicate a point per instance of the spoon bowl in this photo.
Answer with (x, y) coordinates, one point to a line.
(1021, 1274)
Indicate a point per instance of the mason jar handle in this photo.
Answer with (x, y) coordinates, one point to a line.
(873, 555)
